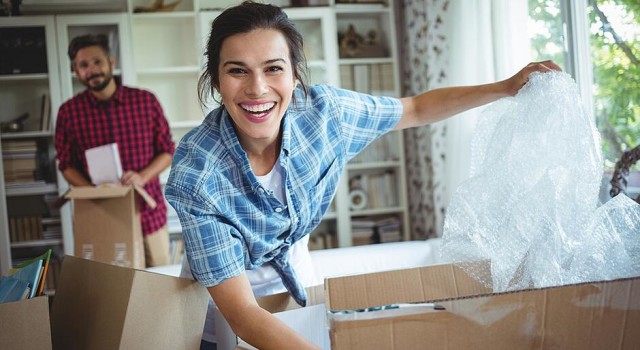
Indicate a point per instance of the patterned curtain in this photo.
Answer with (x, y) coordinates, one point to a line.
(424, 58)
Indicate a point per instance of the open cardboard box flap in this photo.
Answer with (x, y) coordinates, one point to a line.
(102, 306)
(594, 315)
(25, 325)
(105, 191)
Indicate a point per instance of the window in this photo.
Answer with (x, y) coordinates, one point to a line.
(598, 43)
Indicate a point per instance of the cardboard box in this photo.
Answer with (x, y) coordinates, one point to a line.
(310, 321)
(466, 315)
(25, 325)
(103, 306)
(106, 224)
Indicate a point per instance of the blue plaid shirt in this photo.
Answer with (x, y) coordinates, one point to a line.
(230, 222)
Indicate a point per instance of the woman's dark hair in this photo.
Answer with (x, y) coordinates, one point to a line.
(80, 42)
(245, 18)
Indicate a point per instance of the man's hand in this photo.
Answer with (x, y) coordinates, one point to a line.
(132, 178)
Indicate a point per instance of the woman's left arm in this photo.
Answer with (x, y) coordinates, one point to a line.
(439, 104)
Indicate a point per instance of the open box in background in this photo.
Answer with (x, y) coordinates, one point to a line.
(106, 224)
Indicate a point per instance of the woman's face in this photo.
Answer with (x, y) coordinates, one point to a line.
(256, 83)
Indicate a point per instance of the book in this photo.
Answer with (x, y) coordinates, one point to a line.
(45, 113)
(104, 164)
(13, 289)
(29, 273)
(45, 259)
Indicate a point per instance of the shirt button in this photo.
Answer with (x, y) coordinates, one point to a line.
(278, 210)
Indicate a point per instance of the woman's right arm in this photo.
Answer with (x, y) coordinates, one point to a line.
(234, 297)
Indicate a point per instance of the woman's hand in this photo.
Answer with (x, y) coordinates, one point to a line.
(516, 82)
(235, 300)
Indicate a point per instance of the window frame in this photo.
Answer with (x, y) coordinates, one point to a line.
(578, 63)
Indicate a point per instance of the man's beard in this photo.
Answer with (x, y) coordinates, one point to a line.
(97, 88)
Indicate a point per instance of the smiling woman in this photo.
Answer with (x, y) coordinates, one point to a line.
(258, 175)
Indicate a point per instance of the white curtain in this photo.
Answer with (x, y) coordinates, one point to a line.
(488, 42)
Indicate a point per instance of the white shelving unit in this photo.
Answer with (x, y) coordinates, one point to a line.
(378, 173)
(24, 211)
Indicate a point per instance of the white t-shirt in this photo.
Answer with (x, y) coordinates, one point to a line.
(265, 280)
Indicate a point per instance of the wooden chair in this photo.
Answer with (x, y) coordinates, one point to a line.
(621, 172)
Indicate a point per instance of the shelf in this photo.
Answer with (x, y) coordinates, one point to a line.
(51, 221)
(38, 243)
(330, 215)
(374, 165)
(31, 190)
(169, 70)
(377, 211)
(24, 77)
(362, 8)
(162, 15)
(26, 135)
(366, 60)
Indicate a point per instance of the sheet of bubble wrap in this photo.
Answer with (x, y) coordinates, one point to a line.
(531, 204)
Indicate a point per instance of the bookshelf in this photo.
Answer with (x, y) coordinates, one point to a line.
(29, 85)
(374, 183)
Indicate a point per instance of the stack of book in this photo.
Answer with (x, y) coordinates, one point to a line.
(388, 230)
(19, 159)
(363, 231)
(321, 240)
(25, 281)
(368, 230)
(25, 228)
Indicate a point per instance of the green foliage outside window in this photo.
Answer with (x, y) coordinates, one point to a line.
(615, 46)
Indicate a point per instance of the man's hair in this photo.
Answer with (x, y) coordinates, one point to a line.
(82, 41)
